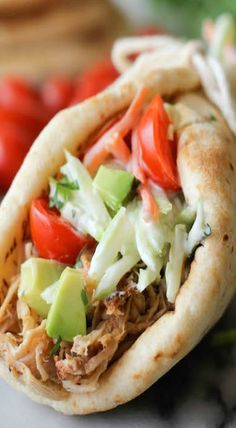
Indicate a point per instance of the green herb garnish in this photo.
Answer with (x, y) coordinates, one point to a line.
(60, 191)
(84, 297)
(212, 117)
(56, 347)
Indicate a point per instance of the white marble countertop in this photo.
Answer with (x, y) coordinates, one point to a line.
(200, 392)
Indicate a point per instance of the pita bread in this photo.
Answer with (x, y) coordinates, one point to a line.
(207, 164)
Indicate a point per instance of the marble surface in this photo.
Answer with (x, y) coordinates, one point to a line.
(200, 392)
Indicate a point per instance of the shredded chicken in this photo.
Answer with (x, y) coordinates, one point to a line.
(90, 355)
(29, 345)
(8, 316)
(116, 323)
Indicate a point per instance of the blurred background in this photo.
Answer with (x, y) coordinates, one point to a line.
(55, 53)
(179, 17)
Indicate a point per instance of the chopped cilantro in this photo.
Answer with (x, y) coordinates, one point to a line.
(84, 297)
(56, 347)
(61, 191)
(212, 117)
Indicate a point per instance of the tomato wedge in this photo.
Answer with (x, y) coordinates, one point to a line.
(151, 208)
(52, 236)
(156, 151)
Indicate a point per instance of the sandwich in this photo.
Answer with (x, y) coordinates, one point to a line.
(118, 236)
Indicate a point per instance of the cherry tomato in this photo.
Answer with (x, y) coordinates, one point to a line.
(7, 115)
(94, 80)
(57, 93)
(53, 237)
(18, 96)
(156, 151)
(14, 144)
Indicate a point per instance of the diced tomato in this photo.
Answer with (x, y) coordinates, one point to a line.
(156, 151)
(53, 237)
(57, 93)
(94, 80)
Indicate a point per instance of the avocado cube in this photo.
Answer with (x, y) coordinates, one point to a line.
(36, 275)
(67, 315)
(113, 186)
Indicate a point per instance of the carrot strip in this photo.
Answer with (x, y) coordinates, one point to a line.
(151, 208)
(106, 144)
(95, 156)
(129, 119)
(135, 165)
(118, 148)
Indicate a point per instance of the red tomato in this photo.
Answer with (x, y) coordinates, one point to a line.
(18, 96)
(52, 236)
(14, 144)
(57, 93)
(94, 80)
(20, 119)
(156, 151)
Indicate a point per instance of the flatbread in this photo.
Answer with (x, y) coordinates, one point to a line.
(206, 164)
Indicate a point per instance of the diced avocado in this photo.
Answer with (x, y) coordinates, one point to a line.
(113, 186)
(67, 315)
(36, 275)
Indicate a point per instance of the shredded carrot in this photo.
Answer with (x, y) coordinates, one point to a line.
(135, 165)
(95, 156)
(86, 260)
(129, 119)
(112, 142)
(118, 148)
(151, 208)
(107, 144)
